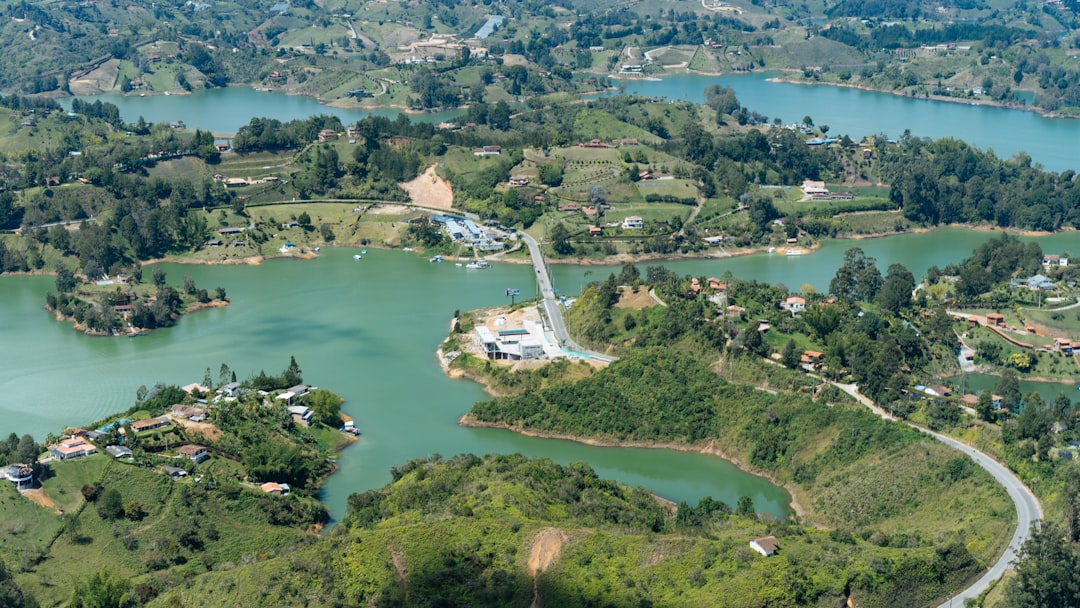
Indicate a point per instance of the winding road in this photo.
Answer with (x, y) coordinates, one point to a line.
(1028, 510)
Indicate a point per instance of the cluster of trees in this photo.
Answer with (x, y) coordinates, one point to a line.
(19, 450)
(270, 134)
(992, 263)
(947, 181)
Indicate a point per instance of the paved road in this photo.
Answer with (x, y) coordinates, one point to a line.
(551, 305)
(1028, 510)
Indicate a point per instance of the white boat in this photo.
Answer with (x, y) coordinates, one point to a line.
(356, 256)
(794, 251)
(772, 249)
(363, 251)
(437, 258)
(478, 264)
(458, 264)
(317, 249)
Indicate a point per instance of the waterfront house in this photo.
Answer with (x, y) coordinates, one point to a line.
(21, 475)
(713, 241)
(72, 448)
(794, 305)
(327, 135)
(766, 545)
(300, 390)
(196, 453)
(1052, 260)
(509, 344)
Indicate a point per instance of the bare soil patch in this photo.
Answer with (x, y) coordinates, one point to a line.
(40, 498)
(545, 549)
(430, 190)
(205, 429)
(636, 300)
(389, 209)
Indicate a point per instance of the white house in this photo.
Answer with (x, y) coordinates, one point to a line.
(811, 187)
(794, 305)
(633, 223)
(766, 545)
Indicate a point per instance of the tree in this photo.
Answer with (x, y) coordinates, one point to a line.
(1047, 573)
(27, 450)
(326, 406)
(560, 239)
(597, 195)
(292, 374)
(789, 356)
(984, 407)
(1008, 388)
(111, 504)
(224, 375)
(65, 279)
(101, 590)
(159, 277)
(895, 292)
(10, 595)
(745, 507)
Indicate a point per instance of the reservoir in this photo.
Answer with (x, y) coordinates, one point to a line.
(368, 330)
(853, 112)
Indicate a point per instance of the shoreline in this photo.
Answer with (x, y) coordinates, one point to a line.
(966, 102)
(710, 449)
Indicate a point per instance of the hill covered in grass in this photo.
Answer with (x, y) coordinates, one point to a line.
(511, 531)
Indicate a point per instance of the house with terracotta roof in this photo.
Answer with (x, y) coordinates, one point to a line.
(140, 426)
(72, 448)
(811, 358)
(277, 489)
(196, 453)
(794, 305)
(995, 319)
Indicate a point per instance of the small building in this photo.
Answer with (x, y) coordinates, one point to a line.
(234, 230)
(518, 180)
(633, 223)
(277, 489)
(794, 305)
(215, 243)
(327, 135)
(995, 319)
(735, 311)
(1052, 260)
(231, 389)
(140, 426)
(487, 151)
(301, 414)
(187, 412)
(118, 451)
(195, 453)
(595, 231)
(713, 241)
(811, 358)
(300, 390)
(175, 472)
(21, 475)
(766, 545)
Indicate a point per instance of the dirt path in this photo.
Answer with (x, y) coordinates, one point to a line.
(545, 550)
(430, 190)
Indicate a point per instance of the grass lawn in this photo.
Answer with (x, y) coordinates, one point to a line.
(71, 475)
(23, 524)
